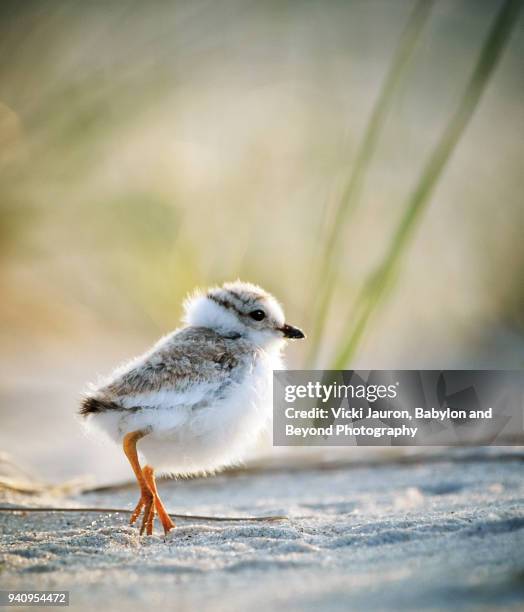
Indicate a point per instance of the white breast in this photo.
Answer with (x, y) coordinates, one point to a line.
(196, 432)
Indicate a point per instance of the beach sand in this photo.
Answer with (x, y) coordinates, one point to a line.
(442, 533)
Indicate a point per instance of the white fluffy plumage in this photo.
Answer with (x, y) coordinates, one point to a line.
(202, 394)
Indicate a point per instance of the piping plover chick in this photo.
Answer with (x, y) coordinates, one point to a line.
(198, 400)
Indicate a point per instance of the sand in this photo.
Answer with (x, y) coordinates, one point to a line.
(422, 536)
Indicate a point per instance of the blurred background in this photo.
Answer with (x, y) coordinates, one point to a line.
(360, 160)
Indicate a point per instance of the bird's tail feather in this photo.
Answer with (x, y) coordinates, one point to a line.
(93, 405)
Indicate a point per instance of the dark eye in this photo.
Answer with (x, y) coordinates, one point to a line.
(258, 315)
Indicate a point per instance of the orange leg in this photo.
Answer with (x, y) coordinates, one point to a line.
(149, 500)
(165, 519)
(146, 494)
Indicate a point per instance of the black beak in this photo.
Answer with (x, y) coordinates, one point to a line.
(292, 332)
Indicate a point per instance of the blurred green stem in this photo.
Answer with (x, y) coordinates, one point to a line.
(328, 258)
(372, 294)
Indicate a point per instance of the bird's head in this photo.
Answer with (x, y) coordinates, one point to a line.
(241, 308)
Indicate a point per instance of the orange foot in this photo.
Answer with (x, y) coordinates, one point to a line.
(150, 503)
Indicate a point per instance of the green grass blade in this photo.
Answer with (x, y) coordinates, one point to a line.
(372, 295)
(327, 268)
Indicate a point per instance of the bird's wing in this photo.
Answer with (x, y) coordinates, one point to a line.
(182, 369)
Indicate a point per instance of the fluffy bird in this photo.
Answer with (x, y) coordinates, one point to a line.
(197, 401)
